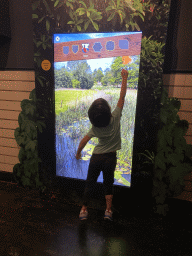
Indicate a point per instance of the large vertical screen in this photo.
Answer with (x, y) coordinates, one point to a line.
(88, 66)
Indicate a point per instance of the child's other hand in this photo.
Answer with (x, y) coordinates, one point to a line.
(78, 156)
(124, 73)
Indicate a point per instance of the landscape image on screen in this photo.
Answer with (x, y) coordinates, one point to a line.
(88, 66)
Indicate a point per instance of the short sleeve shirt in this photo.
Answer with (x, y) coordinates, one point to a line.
(109, 137)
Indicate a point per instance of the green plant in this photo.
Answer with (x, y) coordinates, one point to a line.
(148, 155)
(149, 92)
(30, 123)
(89, 15)
(172, 158)
(151, 67)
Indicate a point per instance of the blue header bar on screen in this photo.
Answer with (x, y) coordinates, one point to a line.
(68, 37)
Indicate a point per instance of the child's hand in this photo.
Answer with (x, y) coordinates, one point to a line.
(124, 74)
(78, 156)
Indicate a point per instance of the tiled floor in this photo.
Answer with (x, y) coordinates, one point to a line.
(30, 225)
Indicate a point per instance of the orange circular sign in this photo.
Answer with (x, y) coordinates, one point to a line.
(46, 65)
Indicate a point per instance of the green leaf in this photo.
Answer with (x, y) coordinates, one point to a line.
(160, 161)
(28, 174)
(29, 154)
(24, 104)
(26, 126)
(31, 145)
(70, 22)
(47, 6)
(42, 123)
(17, 132)
(47, 25)
(81, 2)
(20, 140)
(44, 46)
(141, 16)
(40, 81)
(26, 181)
(88, 14)
(164, 116)
(121, 16)
(32, 95)
(78, 28)
(71, 14)
(22, 154)
(56, 3)
(81, 11)
(21, 118)
(69, 5)
(35, 5)
(159, 175)
(41, 19)
(160, 199)
(111, 16)
(161, 139)
(35, 16)
(38, 44)
(31, 109)
(174, 159)
(80, 21)
(174, 174)
(169, 139)
(109, 8)
(39, 127)
(95, 25)
(86, 24)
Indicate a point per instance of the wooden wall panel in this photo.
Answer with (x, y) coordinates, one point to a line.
(10, 105)
(6, 151)
(14, 87)
(9, 115)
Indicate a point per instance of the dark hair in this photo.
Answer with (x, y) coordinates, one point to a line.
(100, 113)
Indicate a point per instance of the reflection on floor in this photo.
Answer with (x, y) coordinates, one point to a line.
(37, 225)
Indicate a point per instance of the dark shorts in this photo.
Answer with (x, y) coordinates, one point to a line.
(100, 162)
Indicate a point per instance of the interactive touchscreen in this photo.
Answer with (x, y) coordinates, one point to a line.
(88, 66)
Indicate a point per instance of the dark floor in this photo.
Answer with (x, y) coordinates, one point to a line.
(31, 225)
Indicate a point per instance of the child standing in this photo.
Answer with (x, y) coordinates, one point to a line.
(106, 127)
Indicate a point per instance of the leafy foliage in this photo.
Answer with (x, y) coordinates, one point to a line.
(149, 94)
(30, 123)
(172, 160)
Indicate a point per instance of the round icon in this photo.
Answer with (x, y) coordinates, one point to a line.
(46, 65)
(57, 38)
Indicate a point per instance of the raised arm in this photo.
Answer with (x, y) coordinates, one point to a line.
(121, 101)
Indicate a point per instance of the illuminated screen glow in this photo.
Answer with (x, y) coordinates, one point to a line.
(88, 66)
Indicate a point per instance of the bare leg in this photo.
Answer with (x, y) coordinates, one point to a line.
(109, 201)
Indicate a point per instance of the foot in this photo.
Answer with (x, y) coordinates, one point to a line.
(83, 214)
(108, 215)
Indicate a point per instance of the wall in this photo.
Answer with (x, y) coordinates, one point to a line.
(14, 87)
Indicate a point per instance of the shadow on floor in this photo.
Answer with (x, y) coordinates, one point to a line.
(32, 225)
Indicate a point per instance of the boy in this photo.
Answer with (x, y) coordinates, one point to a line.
(106, 127)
